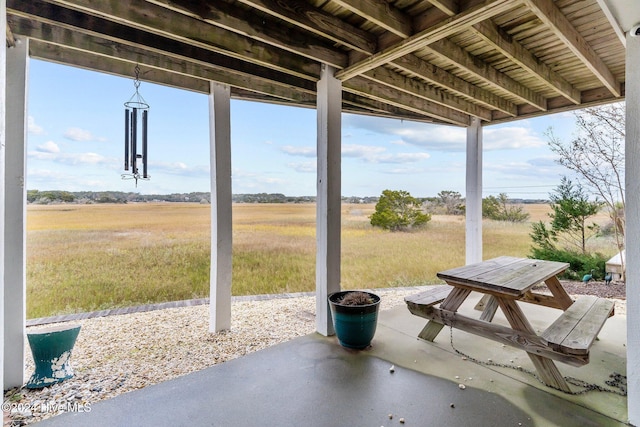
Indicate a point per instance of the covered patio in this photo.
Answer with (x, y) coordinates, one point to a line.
(313, 381)
(467, 63)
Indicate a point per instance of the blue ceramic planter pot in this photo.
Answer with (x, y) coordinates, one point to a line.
(355, 325)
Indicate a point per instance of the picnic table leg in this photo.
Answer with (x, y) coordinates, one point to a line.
(559, 292)
(546, 368)
(452, 302)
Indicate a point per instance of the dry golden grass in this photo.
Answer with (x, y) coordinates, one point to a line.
(88, 257)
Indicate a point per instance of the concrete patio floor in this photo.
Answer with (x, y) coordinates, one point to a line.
(312, 381)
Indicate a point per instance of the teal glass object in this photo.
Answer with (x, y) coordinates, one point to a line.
(355, 325)
(51, 349)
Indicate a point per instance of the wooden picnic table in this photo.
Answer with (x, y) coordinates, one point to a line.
(505, 281)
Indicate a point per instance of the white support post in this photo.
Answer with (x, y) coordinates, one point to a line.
(15, 213)
(473, 198)
(221, 225)
(328, 204)
(3, 103)
(632, 234)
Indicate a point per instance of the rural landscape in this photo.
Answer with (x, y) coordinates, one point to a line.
(85, 257)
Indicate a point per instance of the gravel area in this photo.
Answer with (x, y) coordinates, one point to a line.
(120, 353)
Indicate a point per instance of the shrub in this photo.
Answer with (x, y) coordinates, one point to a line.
(579, 264)
(398, 210)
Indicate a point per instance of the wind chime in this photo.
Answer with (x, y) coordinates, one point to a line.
(136, 116)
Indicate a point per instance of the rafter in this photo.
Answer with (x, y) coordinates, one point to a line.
(454, 53)
(381, 13)
(548, 12)
(141, 15)
(311, 19)
(369, 89)
(445, 28)
(525, 59)
(242, 22)
(440, 77)
(426, 92)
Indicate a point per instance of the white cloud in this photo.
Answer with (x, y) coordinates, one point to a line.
(447, 138)
(512, 137)
(367, 153)
(81, 135)
(299, 151)
(177, 168)
(48, 147)
(74, 158)
(34, 128)
(303, 167)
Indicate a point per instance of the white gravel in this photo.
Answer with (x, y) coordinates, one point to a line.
(117, 354)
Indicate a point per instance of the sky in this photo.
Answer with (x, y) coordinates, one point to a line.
(76, 143)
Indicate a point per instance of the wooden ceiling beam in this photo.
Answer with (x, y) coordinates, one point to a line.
(142, 15)
(369, 89)
(442, 78)
(245, 23)
(164, 62)
(371, 107)
(442, 29)
(550, 15)
(461, 58)
(115, 38)
(416, 88)
(305, 16)
(381, 13)
(113, 66)
(516, 53)
(420, 68)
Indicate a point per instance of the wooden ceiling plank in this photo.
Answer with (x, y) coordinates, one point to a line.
(381, 13)
(443, 78)
(590, 98)
(551, 16)
(162, 61)
(450, 7)
(115, 67)
(372, 107)
(461, 58)
(142, 15)
(114, 35)
(240, 21)
(311, 19)
(413, 87)
(444, 28)
(370, 89)
(515, 52)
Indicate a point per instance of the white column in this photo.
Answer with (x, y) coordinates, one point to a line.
(473, 197)
(329, 108)
(3, 98)
(632, 235)
(221, 227)
(15, 213)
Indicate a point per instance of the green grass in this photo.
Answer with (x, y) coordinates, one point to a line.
(91, 257)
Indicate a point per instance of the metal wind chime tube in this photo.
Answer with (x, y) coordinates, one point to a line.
(135, 108)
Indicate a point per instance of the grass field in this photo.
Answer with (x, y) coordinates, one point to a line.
(91, 257)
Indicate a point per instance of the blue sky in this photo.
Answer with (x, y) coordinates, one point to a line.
(76, 129)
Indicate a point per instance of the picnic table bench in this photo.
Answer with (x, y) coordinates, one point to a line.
(504, 281)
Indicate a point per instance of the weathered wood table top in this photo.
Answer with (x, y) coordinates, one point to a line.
(506, 276)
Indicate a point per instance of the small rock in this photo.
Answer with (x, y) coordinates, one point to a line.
(401, 420)
(462, 386)
(392, 369)
(390, 416)
(451, 405)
